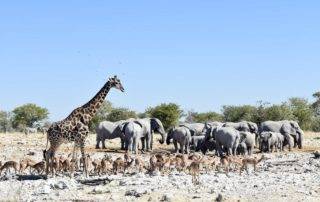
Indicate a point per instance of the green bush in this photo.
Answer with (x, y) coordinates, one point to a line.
(204, 117)
(118, 114)
(28, 114)
(5, 121)
(168, 114)
(239, 113)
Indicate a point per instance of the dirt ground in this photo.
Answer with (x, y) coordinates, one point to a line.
(293, 176)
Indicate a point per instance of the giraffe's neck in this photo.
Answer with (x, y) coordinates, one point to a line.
(91, 107)
(86, 112)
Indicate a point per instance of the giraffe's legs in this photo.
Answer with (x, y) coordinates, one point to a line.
(85, 166)
(49, 161)
(74, 151)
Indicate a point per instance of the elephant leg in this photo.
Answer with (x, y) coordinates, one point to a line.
(151, 145)
(229, 151)
(98, 144)
(122, 144)
(295, 141)
(135, 146)
(143, 141)
(181, 147)
(187, 148)
(103, 144)
(219, 149)
(130, 142)
(148, 141)
(300, 140)
(175, 143)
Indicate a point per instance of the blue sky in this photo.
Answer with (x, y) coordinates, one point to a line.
(199, 54)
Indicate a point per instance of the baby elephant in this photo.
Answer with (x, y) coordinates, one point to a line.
(270, 141)
(181, 136)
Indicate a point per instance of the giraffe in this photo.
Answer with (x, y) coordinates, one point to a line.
(75, 127)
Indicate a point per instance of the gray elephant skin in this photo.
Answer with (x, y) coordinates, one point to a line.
(245, 126)
(270, 141)
(181, 136)
(107, 130)
(151, 125)
(132, 131)
(227, 139)
(285, 128)
(207, 145)
(196, 142)
(242, 149)
(247, 141)
(195, 128)
(209, 125)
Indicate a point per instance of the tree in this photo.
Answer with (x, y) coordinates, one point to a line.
(239, 113)
(5, 121)
(260, 114)
(28, 114)
(204, 117)
(118, 114)
(279, 112)
(101, 115)
(316, 104)
(302, 111)
(168, 114)
(315, 124)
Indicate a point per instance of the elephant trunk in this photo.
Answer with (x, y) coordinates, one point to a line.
(300, 139)
(164, 137)
(169, 137)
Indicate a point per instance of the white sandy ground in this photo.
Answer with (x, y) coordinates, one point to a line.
(283, 177)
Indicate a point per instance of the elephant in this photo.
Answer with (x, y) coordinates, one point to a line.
(195, 128)
(209, 125)
(226, 138)
(269, 141)
(242, 148)
(151, 125)
(207, 145)
(285, 128)
(182, 136)
(249, 140)
(196, 142)
(245, 126)
(132, 131)
(107, 130)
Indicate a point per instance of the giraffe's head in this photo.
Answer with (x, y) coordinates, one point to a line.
(116, 83)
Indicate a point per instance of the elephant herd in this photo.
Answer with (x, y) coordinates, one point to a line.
(131, 132)
(222, 138)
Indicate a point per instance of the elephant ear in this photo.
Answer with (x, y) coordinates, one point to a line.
(170, 131)
(251, 127)
(139, 123)
(270, 135)
(154, 123)
(123, 126)
(243, 136)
